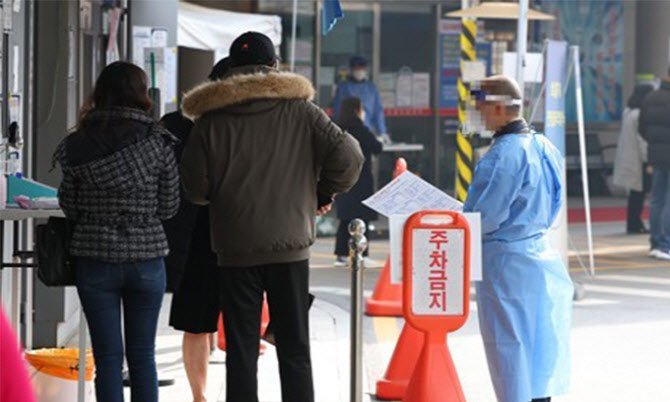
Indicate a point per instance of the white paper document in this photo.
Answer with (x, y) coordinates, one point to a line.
(408, 194)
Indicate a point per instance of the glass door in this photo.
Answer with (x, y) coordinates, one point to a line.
(354, 35)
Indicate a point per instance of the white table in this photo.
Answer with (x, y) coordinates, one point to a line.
(402, 147)
(13, 272)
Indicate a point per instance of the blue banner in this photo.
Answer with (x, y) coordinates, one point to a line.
(554, 100)
(597, 27)
(332, 11)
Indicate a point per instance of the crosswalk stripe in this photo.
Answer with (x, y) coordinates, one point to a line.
(657, 294)
(651, 280)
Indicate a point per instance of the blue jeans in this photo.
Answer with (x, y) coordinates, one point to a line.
(103, 288)
(660, 210)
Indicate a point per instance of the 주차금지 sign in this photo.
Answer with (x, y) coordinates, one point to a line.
(438, 264)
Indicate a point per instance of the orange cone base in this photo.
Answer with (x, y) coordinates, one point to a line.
(383, 308)
(265, 321)
(434, 378)
(387, 297)
(391, 390)
(394, 384)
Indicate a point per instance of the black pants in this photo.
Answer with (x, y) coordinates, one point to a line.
(287, 288)
(636, 204)
(342, 239)
(541, 400)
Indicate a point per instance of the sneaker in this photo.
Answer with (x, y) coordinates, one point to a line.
(659, 254)
(341, 262)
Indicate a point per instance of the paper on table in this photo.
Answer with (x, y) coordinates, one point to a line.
(407, 194)
(397, 228)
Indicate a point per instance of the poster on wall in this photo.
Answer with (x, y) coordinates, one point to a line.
(597, 27)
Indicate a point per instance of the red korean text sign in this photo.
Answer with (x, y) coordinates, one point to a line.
(436, 270)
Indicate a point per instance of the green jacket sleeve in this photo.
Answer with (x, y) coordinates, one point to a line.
(194, 166)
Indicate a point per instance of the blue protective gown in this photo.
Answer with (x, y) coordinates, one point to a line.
(525, 298)
(367, 92)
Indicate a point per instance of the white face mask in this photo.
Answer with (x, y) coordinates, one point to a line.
(360, 74)
(475, 124)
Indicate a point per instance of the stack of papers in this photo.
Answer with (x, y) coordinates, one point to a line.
(408, 194)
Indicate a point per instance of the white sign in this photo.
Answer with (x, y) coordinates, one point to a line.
(159, 37)
(403, 87)
(421, 90)
(532, 71)
(438, 271)
(473, 71)
(397, 229)
(408, 194)
(141, 39)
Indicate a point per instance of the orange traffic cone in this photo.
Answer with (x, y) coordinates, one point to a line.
(396, 380)
(265, 320)
(434, 378)
(387, 297)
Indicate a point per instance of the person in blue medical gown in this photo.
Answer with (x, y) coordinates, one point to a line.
(358, 85)
(525, 298)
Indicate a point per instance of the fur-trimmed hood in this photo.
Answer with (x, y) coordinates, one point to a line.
(243, 85)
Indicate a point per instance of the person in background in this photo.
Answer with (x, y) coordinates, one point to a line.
(654, 126)
(358, 85)
(525, 297)
(349, 205)
(196, 303)
(120, 180)
(14, 381)
(630, 171)
(258, 155)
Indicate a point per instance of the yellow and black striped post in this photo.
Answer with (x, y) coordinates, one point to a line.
(464, 149)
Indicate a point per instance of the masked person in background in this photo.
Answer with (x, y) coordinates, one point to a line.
(525, 298)
(359, 86)
(630, 171)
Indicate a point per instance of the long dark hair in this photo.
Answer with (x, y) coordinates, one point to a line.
(120, 84)
(639, 93)
(349, 110)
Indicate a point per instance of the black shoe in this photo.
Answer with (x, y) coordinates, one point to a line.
(638, 231)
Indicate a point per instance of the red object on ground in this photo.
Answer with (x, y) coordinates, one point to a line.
(265, 320)
(405, 356)
(602, 214)
(14, 380)
(434, 378)
(387, 297)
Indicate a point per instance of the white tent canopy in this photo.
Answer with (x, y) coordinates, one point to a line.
(211, 29)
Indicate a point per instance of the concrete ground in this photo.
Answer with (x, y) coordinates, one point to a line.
(619, 347)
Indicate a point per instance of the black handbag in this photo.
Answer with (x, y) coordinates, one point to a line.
(55, 265)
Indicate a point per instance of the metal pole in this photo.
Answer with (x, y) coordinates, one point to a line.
(521, 44)
(582, 153)
(294, 33)
(81, 378)
(357, 245)
(437, 148)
